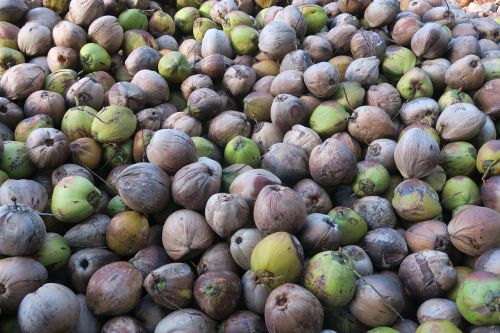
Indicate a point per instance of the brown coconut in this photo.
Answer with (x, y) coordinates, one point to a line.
(20, 81)
(127, 94)
(450, 123)
(303, 137)
(24, 191)
(107, 32)
(265, 135)
(467, 74)
(385, 97)
(226, 213)
(47, 147)
(368, 123)
(249, 184)
(171, 150)
(34, 39)
(84, 263)
(287, 111)
(288, 82)
(69, 34)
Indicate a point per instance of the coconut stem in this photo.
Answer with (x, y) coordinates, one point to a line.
(486, 173)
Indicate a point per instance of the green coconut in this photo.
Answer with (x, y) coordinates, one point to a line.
(28, 125)
(415, 83)
(350, 95)
(329, 275)
(206, 148)
(74, 199)
(116, 206)
(315, 16)
(266, 3)
(397, 61)
(77, 122)
(60, 81)
(478, 298)
(235, 18)
(94, 57)
(459, 191)
(244, 39)
(133, 19)
(188, 3)
(161, 24)
(201, 25)
(458, 158)
(257, 106)
(241, 150)
(415, 200)
(184, 19)
(54, 253)
(15, 161)
(488, 158)
(116, 154)
(113, 124)
(277, 259)
(372, 179)
(174, 67)
(8, 35)
(462, 273)
(436, 179)
(3, 177)
(383, 329)
(329, 118)
(205, 8)
(452, 97)
(433, 326)
(9, 58)
(177, 100)
(491, 68)
(352, 226)
(229, 174)
(135, 38)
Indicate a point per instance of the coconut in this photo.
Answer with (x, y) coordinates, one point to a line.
(439, 309)
(85, 92)
(416, 154)
(321, 79)
(385, 97)
(428, 235)
(113, 124)
(414, 84)
(287, 111)
(423, 205)
(243, 242)
(354, 8)
(470, 238)
(488, 261)
(150, 258)
(480, 97)
(319, 233)
(142, 58)
(226, 213)
(184, 122)
(436, 71)
(20, 277)
(449, 130)
(86, 152)
(186, 234)
(319, 49)
(124, 324)
(215, 288)
(381, 13)
(214, 65)
(153, 85)
(376, 211)
(369, 123)
(242, 150)
(458, 158)
(291, 304)
(68, 34)
(28, 125)
(51, 300)
(195, 183)
(47, 147)
(106, 296)
(94, 57)
(397, 61)
(316, 198)
(367, 44)
(303, 137)
(8, 35)
(277, 39)
(342, 62)
(10, 113)
(217, 258)
(487, 158)
(243, 320)
(25, 192)
(468, 73)
(249, 183)
(19, 81)
(380, 291)
(176, 144)
(371, 178)
(45, 102)
(363, 71)
(254, 292)
(62, 58)
(283, 264)
(9, 57)
(128, 95)
(266, 69)
(84, 263)
(340, 37)
(13, 11)
(430, 41)
(187, 319)
(15, 161)
(385, 246)
(34, 39)
(296, 60)
(289, 163)
(149, 313)
(239, 79)
(288, 82)
(427, 274)
(362, 263)
(459, 191)
(490, 193)
(382, 151)
(60, 81)
(265, 135)
(420, 111)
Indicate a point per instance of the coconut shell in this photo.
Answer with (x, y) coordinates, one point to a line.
(416, 154)
(474, 230)
(450, 123)
(19, 81)
(366, 44)
(368, 123)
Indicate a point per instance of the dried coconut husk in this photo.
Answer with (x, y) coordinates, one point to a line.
(386, 97)
(150, 119)
(171, 150)
(44, 16)
(84, 12)
(45, 102)
(47, 148)
(485, 100)
(289, 163)
(462, 46)
(405, 28)
(350, 142)
(363, 70)
(194, 82)
(467, 74)
(287, 111)
(213, 66)
(416, 154)
(353, 7)
(436, 71)
(430, 41)
(153, 85)
(10, 115)
(265, 135)
(34, 39)
(239, 79)
(87, 92)
(69, 34)
(340, 37)
(26, 192)
(62, 58)
(322, 79)
(368, 123)
(143, 57)
(303, 137)
(184, 122)
(366, 44)
(420, 111)
(294, 18)
(13, 10)
(288, 82)
(228, 125)
(318, 48)
(127, 94)
(450, 123)
(380, 13)
(19, 81)
(277, 39)
(216, 42)
(296, 60)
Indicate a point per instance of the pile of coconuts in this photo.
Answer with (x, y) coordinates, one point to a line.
(242, 166)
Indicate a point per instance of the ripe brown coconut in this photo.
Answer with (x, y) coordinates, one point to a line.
(385, 246)
(171, 150)
(332, 163)
(195, 183)
(84, 263)
(475, 229)
(22, 230)
(19, 276)
(376, 211)
(151, 257)
(90, 233)
(368, 123)
(439, 309)
(149, 313)
(227, 125)
(287, 111)
(303, 137)
(47, 147)
(189, 320)
(316, 198)
(490, 193)
(226, 213)
(320, 233)
(86, 320)
(184, 122)
(114, 289)
(243, 321)
(279, 208)
(144, 187)
(45, 102)
(217, 258)
(243, 242)
(292, 308)
(154, 86)
(254, 292)
(51, 308)
(24, 191)
(20, 81)
(123, 324)
(186, 234)
(428, 235)
(265, 135)
(171, 285)
(249, 184)
(217, 293)
(290, 163)
(127, 94)
(10, 113)
(427, 274)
